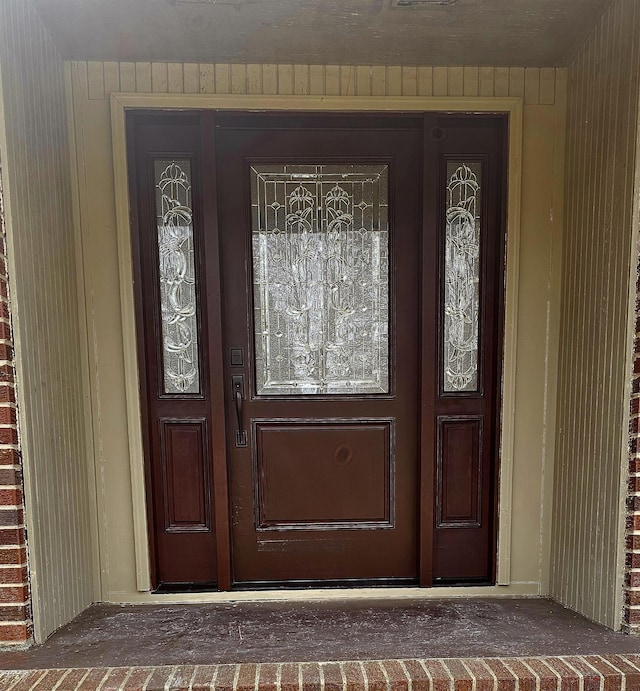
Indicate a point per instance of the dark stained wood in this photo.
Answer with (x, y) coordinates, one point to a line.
(428, 359)
(468, 422)
(185, 475)
(393, 488)
(347, 551)
(216, 353)
(347, 479)
(458, 472)
(182, 554)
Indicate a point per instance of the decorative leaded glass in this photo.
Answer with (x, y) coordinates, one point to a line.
(320, 278)
(462, 277)
(174, 221)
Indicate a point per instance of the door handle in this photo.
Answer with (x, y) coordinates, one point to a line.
(237, 386)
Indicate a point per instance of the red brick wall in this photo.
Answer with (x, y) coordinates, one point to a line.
(631, 617)
(15, 607)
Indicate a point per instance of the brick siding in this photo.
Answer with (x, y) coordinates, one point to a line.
(15, 606)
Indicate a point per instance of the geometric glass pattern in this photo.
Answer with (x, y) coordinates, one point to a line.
(462, 277)
(178, 309)
(320, 241)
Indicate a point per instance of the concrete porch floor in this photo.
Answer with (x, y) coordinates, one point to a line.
(179, 637)
(114, 635)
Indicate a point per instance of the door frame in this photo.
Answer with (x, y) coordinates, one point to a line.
(510, 106)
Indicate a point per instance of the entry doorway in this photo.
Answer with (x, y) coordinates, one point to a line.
(326, 291)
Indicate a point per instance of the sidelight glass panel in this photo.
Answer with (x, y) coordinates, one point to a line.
(320, 241)
(462, 277)
(174, 220)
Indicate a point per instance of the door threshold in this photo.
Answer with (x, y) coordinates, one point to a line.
(319, 594)
(249, 586)
(343, 584)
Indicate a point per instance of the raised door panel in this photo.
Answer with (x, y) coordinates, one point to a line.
(323, 475)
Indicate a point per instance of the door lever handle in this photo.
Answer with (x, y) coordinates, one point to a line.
(237, 383)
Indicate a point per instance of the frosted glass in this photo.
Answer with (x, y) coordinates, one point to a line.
(462, 277)
(174, 218)
(320, 242)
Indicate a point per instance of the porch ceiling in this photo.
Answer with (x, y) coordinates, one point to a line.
(429, 32)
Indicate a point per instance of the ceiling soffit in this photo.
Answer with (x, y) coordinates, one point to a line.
(541, 33)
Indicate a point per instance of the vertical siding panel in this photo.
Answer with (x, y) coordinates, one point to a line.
(409, 81)
(456, 81)
(190, 74)
(501, 85)
(363, 80)
(486, 81)
(601, 287)
(471, 81)
(285, 80)
(378, 80)
(31, 265)
(254, 79)
(159, 78)
(207, 79)
(440, 81)
(143, 77)
(222, 79)
(570, 278)
(532, 85)
(347, 80)
(238, 79)
(425, 81)
(547, 86)
(394, 80)
(332, 80)
(592, 287)
(45, 197)
(111, 77)
(96, 79)
(301, 79)
(42, 247)
(270, 79)
(316, 80)
(601, 130)
(581, 510)
(618, 156)
(175, 78)
(516, 81)
(127, 76)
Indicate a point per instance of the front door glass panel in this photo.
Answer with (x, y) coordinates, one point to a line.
(461, 305)
(176, 263)
(320, 243)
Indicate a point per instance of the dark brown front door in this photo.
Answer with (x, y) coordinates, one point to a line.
(316, 222)
(320, 309)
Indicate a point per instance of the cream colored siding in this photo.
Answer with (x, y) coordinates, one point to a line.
(35, 151)
(99, 79)
(592, 409)
(543, 91)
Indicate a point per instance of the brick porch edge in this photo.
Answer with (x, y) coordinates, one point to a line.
(574, 673)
